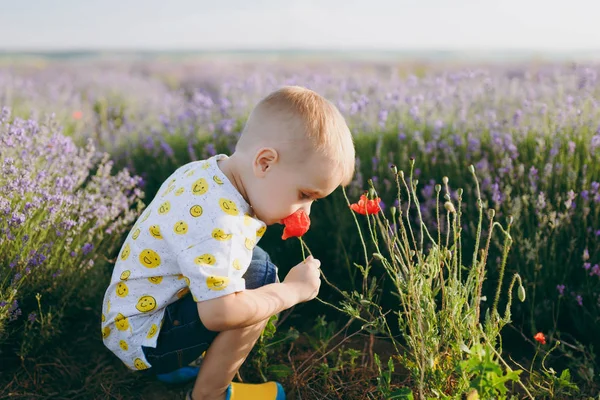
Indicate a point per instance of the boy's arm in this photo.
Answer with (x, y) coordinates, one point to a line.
(249, 307)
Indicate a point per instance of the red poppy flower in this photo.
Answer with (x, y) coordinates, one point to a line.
(540, 337)
(366, 206)
(77, 114)
(296, 225)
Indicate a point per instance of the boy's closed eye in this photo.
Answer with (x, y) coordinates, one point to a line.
(306, 196)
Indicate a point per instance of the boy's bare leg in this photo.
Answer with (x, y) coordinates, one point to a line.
(223, 358)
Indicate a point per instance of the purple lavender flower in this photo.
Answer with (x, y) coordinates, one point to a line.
(87, 248)
(579, 300)
(32, 317)
(561, 289)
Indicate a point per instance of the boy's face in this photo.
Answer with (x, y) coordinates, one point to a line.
(279, 188)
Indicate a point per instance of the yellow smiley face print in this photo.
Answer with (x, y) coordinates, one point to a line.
(179, 191)
(237, 265)
(103, 318)
(152, 331)
(187, 280)
(108, 306)
(146, 303)
(164, 208)
(247, 219)
(200, 187)
(217, 180)
(196, 211)
(139, 364)
(146, 215)
(105, 332)
(136, 233)
(190, 173)
(261, 231)
(228, 207)
(217, 282)
(169, 190)
(155, 279)
(180, 228)
(123, 345)
(183, 292)
(125, 252)
(155, 231)
(121, 322)
(125, 275)
(220, 234)
(205, 259)
(122, 289)
(249, 243)
(149, 258)
(205, 165)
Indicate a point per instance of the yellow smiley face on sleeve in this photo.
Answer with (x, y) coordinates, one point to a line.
(200, 187)
(217, 282)
(228, 207)
(205, 259)
(219, 234)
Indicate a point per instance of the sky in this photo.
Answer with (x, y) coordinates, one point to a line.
(555, 25)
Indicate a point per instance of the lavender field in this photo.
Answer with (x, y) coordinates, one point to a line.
(85, 145)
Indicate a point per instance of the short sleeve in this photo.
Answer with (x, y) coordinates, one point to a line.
(215, 266)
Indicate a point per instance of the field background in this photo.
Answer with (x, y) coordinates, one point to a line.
(528, 122)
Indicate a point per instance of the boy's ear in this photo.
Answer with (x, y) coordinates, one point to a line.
(264, 160)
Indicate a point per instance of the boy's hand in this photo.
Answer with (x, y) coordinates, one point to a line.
(305, 279)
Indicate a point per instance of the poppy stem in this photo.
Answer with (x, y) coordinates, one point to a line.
(302, 247)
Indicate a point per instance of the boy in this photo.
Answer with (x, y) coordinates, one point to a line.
(189, 278)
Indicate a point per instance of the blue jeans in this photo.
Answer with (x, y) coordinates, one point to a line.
(183, 338)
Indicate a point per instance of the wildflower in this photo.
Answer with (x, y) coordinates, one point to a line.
(540, 337)
(77, 114)
(587, 266)
(296, 225)
(366, 206)
(87, 248)
(579, 300)
(561, 289)
(32, 317)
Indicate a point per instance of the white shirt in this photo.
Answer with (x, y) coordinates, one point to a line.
(196, 235)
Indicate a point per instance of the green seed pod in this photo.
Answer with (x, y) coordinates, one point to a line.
(450, 207)
(378, 256)
(521, 293)
(472, 168)
(459, 192)
(394, 169)
(491, 213)
(445, 180)
(438, 188)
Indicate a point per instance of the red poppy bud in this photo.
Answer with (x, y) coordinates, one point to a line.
(296, 224)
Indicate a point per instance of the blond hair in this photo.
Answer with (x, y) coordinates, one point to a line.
(305, 115)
